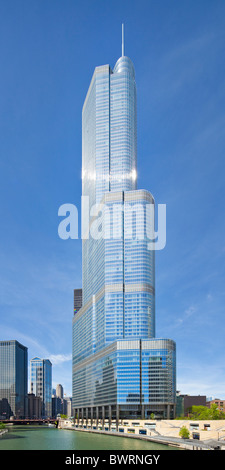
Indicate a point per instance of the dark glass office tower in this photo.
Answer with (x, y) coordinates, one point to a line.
(119, 367)
(13, 379)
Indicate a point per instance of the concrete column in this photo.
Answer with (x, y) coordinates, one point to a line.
(110, 417)
(87, 417)
(117, 416)
(82, 416)
(168, 411)
(91, 416)
(103, 416)
(97, 416)
(142, 411)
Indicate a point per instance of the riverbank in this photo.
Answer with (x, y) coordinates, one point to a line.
(204, 436)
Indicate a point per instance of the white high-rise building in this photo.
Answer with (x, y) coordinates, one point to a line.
(59, 391)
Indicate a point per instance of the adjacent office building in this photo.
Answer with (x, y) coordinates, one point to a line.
(68, 406)
(119, 368)
(57, 401)
(34, 406)
(59, 391)
(13, 379)
(57, 406)
(41, 383)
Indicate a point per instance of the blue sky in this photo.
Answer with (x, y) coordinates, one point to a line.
(49, 49)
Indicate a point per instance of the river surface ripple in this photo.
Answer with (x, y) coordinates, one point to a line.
(46, 438)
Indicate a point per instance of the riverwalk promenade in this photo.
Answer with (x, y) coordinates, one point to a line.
(204, 435)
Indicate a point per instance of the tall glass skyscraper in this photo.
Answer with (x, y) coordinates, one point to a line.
(41, 383)
(13, 379)
(119, 367)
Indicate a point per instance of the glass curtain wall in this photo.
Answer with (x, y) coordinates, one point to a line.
(13, 379)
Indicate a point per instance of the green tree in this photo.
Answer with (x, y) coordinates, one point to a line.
(184, 433)
(215, 413)
(200, 412)
(203, 412)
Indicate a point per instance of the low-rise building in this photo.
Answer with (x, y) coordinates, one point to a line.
(217, 401)
(185, 402)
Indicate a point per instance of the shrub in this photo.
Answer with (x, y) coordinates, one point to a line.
(184, 433)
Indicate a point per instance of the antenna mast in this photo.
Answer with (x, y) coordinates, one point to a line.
(122, 39)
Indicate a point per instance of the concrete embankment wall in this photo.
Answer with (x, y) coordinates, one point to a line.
(156, 430)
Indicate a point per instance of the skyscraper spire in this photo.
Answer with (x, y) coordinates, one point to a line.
(122, 39)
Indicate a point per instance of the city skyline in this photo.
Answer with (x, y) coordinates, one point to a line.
(177, 53)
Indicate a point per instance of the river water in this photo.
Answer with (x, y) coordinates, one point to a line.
(47, 438)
